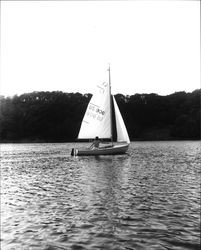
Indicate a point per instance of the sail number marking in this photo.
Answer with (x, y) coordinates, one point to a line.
(102, 88)
(95, 112)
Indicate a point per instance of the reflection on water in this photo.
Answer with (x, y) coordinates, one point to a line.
(147, 199)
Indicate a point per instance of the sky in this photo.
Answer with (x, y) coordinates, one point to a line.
(151, 46)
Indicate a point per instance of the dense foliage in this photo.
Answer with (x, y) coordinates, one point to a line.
(56, 116)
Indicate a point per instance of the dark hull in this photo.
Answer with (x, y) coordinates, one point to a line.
(112, 150)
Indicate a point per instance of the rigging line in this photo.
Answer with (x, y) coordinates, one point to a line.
(110, 105)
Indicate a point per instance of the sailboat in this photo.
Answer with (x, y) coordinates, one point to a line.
(98, 122)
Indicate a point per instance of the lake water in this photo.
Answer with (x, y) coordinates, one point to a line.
(146, 199)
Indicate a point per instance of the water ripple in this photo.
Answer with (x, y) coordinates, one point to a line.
(147, 199)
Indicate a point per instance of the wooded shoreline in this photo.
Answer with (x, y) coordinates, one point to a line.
(56, 116)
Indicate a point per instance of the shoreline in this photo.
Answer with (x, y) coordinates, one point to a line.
(75, 141)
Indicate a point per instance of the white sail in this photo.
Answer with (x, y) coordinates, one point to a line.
(122, 134)
(97, 119)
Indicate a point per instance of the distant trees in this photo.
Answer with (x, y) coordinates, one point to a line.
(45, 116)
(56, 116)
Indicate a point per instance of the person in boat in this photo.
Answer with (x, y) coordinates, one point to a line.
(95, 143)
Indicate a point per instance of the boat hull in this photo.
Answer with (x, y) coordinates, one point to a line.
(110, 150)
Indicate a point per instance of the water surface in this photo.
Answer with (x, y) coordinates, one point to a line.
(146, 199)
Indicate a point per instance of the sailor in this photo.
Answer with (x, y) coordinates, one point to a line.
(95, 143)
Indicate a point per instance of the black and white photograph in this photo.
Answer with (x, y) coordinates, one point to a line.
(100, 125)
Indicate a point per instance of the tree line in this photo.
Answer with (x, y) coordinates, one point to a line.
(56, 116)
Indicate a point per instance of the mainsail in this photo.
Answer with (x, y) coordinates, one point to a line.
(97, 119)
(122, 135)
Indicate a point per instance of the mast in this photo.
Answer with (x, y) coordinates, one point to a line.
(110, 105)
